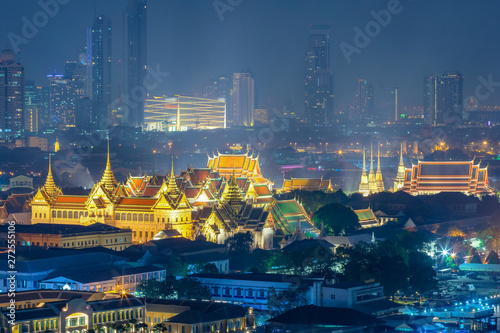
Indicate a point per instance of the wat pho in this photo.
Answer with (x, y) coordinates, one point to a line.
(228, 196)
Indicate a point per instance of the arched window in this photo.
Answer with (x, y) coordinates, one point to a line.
(146, 217)
(65, 215)
(75, 214)
(117, 216)
(70, 215)
(86, 214)
(182, 219)
(129, 217)
(58, 214)
(53, 213)
(140, 217)
(151, 217)
(81, 214)
(135, 217)
(124, 216)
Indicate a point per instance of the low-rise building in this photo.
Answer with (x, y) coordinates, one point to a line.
(74, 315)
(70, 236)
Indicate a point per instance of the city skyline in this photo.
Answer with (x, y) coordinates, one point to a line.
(188, 71)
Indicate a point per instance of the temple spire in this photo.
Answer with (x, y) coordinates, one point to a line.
(363, 185)
(379, 180)
(371, 176)
(50, 185)
(173, 189)
(108, 178)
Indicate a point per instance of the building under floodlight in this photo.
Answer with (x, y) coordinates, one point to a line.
(182, 113)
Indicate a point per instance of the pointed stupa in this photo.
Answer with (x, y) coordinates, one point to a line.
(379, 180)
(233, 194)
(400, 176)
(172, 188)
(363, 185)
(50, 186)
(108, 178)
(371, 176)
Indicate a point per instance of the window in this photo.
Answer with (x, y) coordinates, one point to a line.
(227, 291)
(183, 329)
(237, 324)
(121, 240)
(70, 215)
(58, 214)
(117, 216)
(140, 234)
(134, 218)
(230, 325)
(151, 217)
(238, 292)
(140, 217)
(129, 217)
(65, 215)
(53, 213)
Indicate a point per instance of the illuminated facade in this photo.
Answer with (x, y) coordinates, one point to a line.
(447, 176)
(227, 197)
(373, 182)
(305, 184)
(11, 95)
(181, 113)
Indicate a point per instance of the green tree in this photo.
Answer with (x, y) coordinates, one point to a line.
(279, 302)
(337, 219)
(490, 238)
(158, 289)
(160, 327)
(239, 243)
(142, 326)
(191, 288)
(204, 268)
(493, 258)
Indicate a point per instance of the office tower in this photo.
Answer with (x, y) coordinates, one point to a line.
(63, 95)
(243, 100)
(442, 97)
(11, 95)
(101, 69)
(83, 114)
(393, 105)
(135, 61)
(363, 101)
(44, 110)
(319, 79)
(216, 88)
(32, 106)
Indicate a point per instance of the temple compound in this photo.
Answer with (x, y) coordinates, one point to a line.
(229, 196)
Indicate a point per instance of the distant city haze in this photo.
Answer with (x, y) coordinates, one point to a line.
(192, 42)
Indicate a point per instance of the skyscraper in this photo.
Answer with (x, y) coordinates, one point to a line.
(135, 61)
(216, 88)
(363, 101)
(32, 105)
(393, 105)
(11, 95)
(101, 69)
(319, 79)
(443, 94)
(243, 100)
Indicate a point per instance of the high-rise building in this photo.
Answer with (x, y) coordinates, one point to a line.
(243, 100)
(393, 105)
(319, 79)
(101, 69)
(11, 95)
(216, 88)
(364, 108)
(32, 106)
(443, 94)
(135, 61)
(62, 103)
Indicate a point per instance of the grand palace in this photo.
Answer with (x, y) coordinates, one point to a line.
(229, 196)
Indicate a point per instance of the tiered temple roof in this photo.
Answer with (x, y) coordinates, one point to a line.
(306, 184)
(447, 176)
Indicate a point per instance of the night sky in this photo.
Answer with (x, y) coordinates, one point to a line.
(268, 37)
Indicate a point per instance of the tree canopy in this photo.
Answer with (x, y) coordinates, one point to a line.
(279, 302)
(170, 288)
(337, 219)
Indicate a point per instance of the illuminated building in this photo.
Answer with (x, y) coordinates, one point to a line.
(262, 116)
(11, 95)
(32, 104)
(78, 314)
(305, 184)
(70, 236)
(319, 79)
(228, 196)
(65, 90)
(243, 100)
(181, 113)
(447, 176)
(373, 183)
(101, 69)
(442, 94)
(135, 59)
(363, 101)
(400, 176)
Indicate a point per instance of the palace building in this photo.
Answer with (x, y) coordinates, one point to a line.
(305, 184)
(445, 176)
(229, 196)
